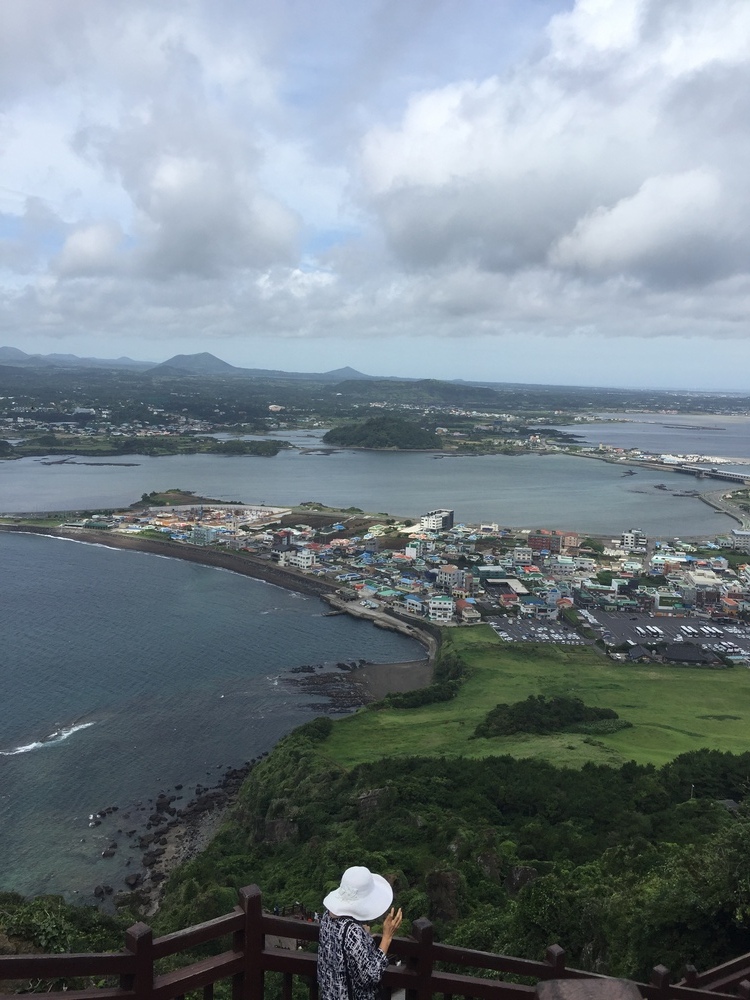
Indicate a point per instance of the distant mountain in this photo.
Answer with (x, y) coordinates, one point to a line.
(209, 364)
(195, 364)
(12, 356)
(423, 392)
(203, 363)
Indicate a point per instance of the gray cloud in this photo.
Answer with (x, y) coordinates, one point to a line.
(230, 170)
(621, 151)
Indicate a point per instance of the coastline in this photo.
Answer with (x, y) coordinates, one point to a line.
(177, 840)
(167, 833)
(242, 563)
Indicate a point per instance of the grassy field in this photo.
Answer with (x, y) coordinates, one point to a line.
(673, 709)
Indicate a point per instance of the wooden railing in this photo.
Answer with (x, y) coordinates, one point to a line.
(256, 943)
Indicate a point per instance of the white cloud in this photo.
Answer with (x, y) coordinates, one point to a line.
(90, 250)
(201, 170)
(580, 157)
(666, 216)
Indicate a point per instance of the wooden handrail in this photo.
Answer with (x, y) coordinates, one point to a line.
(420, 969)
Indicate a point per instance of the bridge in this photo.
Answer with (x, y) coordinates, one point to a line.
(250, 944)
(701, 473)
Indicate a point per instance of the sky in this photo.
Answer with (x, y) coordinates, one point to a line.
(547, 191)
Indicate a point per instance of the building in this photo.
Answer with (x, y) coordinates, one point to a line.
(436, 520)
(740, 540)
(448, 576)
(467, 612)
(203, 536)
(552, 541)
(633, 540)
(440, 608)
(298, 558)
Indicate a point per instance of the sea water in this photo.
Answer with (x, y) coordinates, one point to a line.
(553, 491)
(123, 674)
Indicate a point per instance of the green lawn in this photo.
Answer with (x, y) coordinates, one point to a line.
(673, 709)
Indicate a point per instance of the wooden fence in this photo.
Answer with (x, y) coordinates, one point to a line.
(254, 943)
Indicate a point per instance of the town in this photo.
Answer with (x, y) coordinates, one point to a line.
(635, 598)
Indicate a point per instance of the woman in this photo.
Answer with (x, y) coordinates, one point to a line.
(350, 966)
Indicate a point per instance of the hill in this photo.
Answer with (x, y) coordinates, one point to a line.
(194, 364)
(420, 392)
(384, 432)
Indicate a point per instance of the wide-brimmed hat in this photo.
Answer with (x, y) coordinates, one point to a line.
(362, 895)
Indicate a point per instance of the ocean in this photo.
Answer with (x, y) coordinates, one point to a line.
(124, 674)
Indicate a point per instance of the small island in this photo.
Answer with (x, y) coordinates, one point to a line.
(384, 432)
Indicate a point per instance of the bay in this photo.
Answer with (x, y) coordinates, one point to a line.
(521, 491)
(124, 674)
(702, 434)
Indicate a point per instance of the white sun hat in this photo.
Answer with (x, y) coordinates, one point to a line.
(362, 895)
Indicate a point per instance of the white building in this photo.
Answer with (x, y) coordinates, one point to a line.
(436, 520)
(633, 540)
(203, 536)
(298, 558)
(440, 608)
(740, 540)
(561, 567)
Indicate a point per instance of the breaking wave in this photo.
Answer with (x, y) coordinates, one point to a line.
(58, 736)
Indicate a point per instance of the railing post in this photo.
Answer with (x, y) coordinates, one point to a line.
(251, 902)
(660, 979)
(691, 976)
(554, 956)
(139, 941)
(743, 990)
(423, 931)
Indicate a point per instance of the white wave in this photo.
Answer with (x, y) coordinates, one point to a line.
(57, 737)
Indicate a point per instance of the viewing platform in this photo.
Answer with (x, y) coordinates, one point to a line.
(250, 944)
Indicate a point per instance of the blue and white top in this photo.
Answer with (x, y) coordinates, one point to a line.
(346, 947)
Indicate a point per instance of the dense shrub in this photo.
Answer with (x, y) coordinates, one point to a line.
(538, 714)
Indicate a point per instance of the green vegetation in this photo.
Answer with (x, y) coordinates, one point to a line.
(383, 432)
(106, 446)
(49, 923)
(622, 866)
(672, 709)
(507, 842)
(541, 715)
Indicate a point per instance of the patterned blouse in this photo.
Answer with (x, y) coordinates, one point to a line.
(345, 946)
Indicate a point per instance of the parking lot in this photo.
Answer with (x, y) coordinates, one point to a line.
(527, 630)
(722, 637)
(617, 628)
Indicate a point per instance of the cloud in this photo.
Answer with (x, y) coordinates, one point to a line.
(197, 170)
(90, 250)
(587, 157)
(667, 228)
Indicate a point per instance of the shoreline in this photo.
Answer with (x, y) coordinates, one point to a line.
(167, 834)
(242, 563)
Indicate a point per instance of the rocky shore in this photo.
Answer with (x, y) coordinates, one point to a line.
(159, 833)
(162, 833)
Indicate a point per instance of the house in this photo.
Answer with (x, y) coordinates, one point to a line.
(467, 612)
(440, 608)
(298, 558)
(414, 605)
